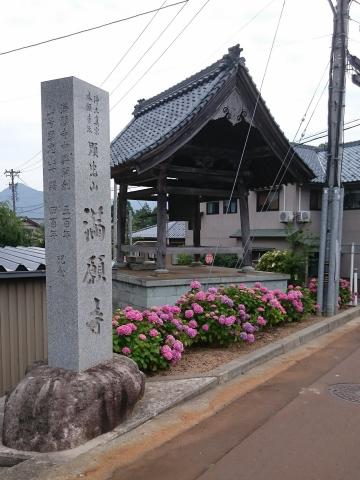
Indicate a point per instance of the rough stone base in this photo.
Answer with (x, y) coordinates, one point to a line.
(53, 409)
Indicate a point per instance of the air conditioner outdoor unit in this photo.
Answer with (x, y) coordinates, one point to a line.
(303, 216)
(286, 216)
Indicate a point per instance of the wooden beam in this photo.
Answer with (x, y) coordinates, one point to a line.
(161, 221)
(196, 226)
(220, 153)
(121, 221)
(245, 225)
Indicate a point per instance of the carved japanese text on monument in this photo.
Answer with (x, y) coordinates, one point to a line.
(96, 317)
(52, 222)
(94, 225)
(77, 196)
(95, 269)
(92, 108)
(50, 151)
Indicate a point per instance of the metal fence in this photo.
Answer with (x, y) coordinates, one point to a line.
(23, 326)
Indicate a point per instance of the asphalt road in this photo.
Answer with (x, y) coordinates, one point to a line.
(291, 427)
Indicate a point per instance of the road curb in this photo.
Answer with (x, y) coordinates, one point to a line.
(230, 370)
(40, 463)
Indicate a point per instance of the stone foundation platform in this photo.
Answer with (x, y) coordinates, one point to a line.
(144, 289)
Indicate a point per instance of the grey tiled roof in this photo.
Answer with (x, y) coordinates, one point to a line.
(315, 158)
(22, 259)
(174, 230)
(158, 118)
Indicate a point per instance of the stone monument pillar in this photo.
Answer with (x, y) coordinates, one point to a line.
(83, 391)
(76, 152)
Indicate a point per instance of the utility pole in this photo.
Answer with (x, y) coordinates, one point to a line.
(12, 185)
(333, 194)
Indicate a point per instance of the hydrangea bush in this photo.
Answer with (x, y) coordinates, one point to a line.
(155, 338)
(344, 291)
(152, 338)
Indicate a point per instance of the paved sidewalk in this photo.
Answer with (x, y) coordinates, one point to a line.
(290, 427)
(172, 406)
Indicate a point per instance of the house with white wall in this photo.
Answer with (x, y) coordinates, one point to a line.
(298, 205)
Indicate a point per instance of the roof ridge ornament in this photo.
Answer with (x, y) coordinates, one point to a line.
(232, 58)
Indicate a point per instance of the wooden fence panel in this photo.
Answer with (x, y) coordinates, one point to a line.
(23, 328)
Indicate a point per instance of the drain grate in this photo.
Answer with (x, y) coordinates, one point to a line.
(346, 391)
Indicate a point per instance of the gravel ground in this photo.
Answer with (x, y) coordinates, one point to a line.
(202, 359)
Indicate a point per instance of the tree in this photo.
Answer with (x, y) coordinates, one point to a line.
(144, 217)
(295, 260)
(12, 231)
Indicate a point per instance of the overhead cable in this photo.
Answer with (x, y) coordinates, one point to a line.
(161, 55)
(133, 44)
(85, 30)
(148, 49)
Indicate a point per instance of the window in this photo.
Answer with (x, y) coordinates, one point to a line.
(267, 200)
(315, 199)
(352, 200)
(212, 208)
(232, 207)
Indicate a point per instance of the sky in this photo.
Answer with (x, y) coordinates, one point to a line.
(298, 63)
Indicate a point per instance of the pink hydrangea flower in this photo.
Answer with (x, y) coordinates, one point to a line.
(191, 332)
(124, 330)
(176, 356)
(178, 346)
(200, 296)
(170, 340)
(261, 321)
(195, 285)
(153, 332)
(193, 324)
(126, 350)
(230, 320)
(142, 336)
(205, 327)
(166, 352)
(250, 338)
(197, 308)
(189, 313)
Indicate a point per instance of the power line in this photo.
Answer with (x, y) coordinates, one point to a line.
(148, 49)
(309, 137)
(323, 136)
(276, 182)
(242, 28)
(29, 160)
(252, 120)
(162, 54)
(91, 28)
(134, 43)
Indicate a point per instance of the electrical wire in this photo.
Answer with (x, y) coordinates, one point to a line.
(133, 44)
(308, 138)
(324, 136)
(91, 28)
(29, 160)
(276, 183)
(160, 56)
(148, 49)
(226, 43)
(251, 121)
